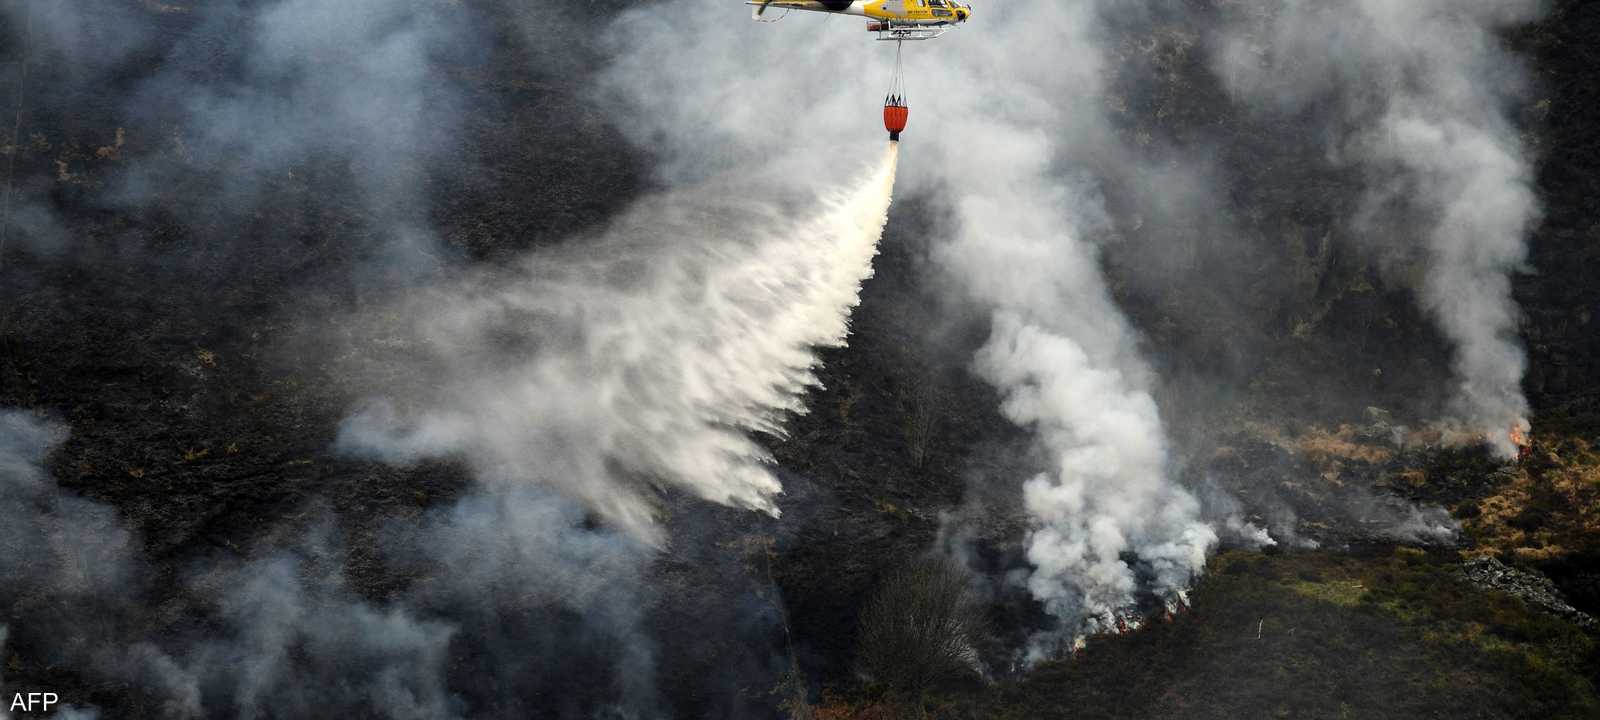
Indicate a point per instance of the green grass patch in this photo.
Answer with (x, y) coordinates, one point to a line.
(1343, 592)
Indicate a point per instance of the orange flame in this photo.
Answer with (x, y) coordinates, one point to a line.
(1521, 440)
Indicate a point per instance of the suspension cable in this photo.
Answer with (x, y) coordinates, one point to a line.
(897, 82)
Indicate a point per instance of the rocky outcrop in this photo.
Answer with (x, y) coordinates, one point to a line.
(1532, 588)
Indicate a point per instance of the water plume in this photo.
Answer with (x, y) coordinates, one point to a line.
(644, 356)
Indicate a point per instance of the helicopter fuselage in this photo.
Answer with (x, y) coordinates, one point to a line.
(897, 12)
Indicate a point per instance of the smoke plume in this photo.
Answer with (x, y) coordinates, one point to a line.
(75, 580)
(1108, 520)
(285, 634)
(1416, 95)
(237, 106)
(71, 550)
(1108, 491)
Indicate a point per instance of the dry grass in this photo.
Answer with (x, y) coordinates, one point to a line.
(1548, 507)
(1324, 446)
(114, 150)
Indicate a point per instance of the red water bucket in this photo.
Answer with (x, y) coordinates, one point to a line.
(894, 119)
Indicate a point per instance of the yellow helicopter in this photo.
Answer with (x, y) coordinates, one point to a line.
(891, 19)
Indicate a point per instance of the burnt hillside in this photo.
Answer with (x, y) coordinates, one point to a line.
(185, 248)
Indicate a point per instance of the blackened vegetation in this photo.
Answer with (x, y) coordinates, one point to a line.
(167, 327)
(1560, 298)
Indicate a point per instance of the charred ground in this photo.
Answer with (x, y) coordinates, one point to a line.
(168, 332)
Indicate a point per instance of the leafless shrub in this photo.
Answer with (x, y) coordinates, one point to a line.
(920, 628)
(923, 405)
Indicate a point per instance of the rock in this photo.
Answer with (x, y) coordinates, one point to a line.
(1533, 588)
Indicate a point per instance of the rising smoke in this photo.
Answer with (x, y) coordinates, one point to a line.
(285, 634)
(1060, 351)
(74, 552)
(240, 105)
(78, 586)
(1416, 96)
(360, 81)
(288, 637)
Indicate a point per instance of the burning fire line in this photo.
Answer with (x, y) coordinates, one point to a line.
(1522, 440)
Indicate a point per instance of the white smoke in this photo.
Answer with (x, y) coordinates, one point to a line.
(75, 550)
(1060, 350)
(1420, 92)
(72, 712)
(79, 560)
(1409, 523)
(359, 80)
(286, 634)
(644, 355)
(1248, 533)
(1108, 492)
(1233, 525)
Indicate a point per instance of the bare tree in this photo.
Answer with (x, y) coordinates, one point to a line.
(922, 409)
(920, 627)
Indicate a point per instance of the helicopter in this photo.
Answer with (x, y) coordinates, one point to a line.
(897, 20)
